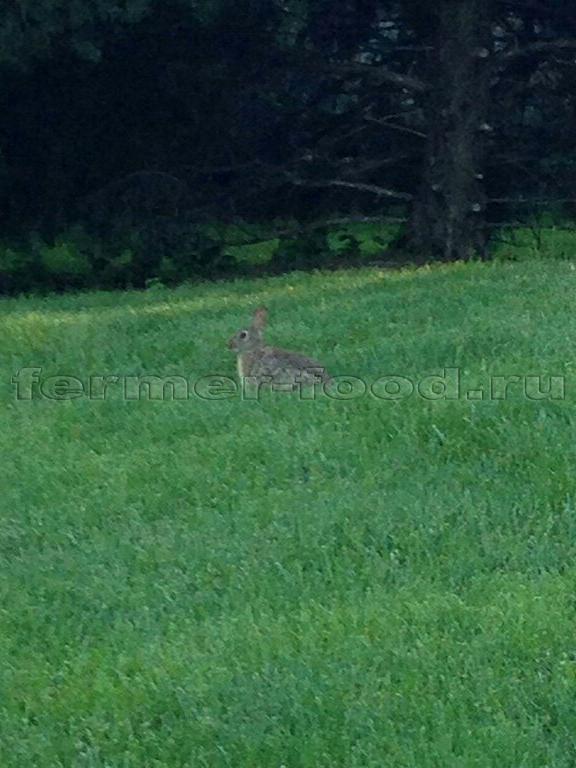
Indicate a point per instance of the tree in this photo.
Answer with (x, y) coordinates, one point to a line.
(436, 75)
(447, 220)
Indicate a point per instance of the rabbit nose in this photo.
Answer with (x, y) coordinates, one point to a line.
(231, 343)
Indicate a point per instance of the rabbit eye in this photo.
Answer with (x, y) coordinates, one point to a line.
(243, 334)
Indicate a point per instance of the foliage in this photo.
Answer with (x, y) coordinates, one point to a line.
(303, 252)
(328, 583)
(78, 259)
(126, 257)
(34, 29)
(524, 243)
(169, 249)
(65, 261)
(317, 248)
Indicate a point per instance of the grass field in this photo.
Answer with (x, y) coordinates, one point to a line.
(284, 583)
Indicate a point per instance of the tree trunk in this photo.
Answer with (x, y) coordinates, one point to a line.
(447, 220)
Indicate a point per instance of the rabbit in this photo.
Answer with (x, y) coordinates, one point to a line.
(269, 364)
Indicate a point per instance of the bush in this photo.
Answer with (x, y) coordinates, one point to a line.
(318, 248)
(547, 242)
(309, 250)
(169, 251)
(17, 269)
(345, 247)
(66, 264)
(198, 255)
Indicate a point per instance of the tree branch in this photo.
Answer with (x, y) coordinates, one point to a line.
(548, 46)
(394, 126)
(374, 189)
(535, 201)
(382, 74)
(302, 229)
(376, 72)
(351, 168)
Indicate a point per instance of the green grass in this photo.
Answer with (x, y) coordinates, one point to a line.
(349, 584)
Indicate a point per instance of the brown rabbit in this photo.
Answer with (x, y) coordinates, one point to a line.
(270, 364)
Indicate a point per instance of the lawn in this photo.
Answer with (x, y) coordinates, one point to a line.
(328, 583)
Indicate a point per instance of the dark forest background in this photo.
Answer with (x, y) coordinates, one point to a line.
(138, 139)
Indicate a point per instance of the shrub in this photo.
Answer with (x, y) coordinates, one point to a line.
(17, 269)
(169, 249)
(318, 248)
(66, 264)
(309, 250)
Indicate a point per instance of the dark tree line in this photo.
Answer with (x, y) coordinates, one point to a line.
(143, 120)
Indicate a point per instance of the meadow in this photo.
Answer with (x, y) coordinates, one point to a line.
(286, 583)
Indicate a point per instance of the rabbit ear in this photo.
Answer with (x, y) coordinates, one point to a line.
(260, 318)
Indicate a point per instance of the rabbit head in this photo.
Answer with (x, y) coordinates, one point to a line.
(250, 339)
